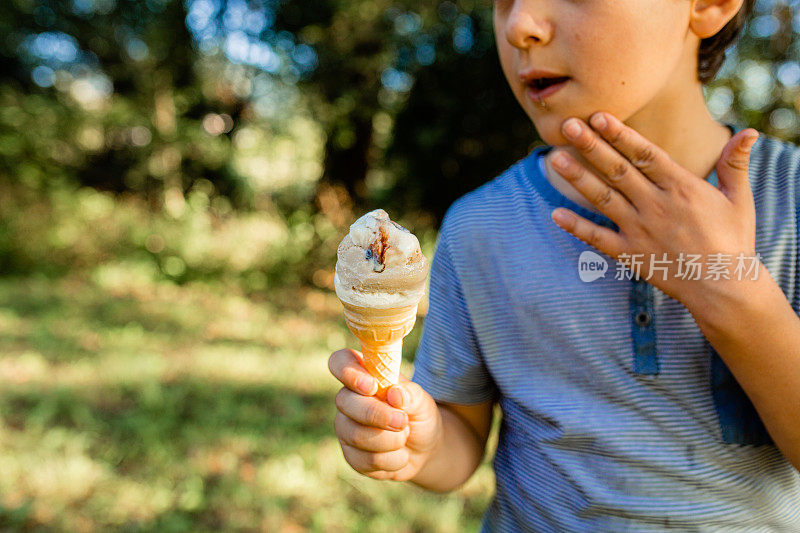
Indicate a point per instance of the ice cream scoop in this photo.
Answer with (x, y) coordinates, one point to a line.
(380, 278)
(380, 264)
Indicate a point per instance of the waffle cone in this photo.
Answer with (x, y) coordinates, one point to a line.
(381, 333)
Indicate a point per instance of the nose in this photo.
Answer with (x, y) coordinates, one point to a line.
(525, 24)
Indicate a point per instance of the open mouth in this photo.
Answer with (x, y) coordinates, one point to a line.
(542, 88)
(543, 83)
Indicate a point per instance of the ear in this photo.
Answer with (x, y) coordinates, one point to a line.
(707, 17)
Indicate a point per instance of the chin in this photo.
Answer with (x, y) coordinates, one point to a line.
(548, 124)
(549, 130)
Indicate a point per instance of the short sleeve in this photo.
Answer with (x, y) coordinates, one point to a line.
(449, 364)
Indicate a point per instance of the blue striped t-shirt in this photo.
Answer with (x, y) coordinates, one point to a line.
(618, 415)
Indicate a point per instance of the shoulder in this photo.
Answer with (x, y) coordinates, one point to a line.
(775, 161)
(775, 177)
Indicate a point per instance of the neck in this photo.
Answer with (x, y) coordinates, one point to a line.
(686, 132)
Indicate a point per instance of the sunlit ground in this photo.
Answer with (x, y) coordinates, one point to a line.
(135, 404)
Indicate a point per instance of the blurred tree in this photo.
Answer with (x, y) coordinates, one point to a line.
(108, 93)
(461, 125)
(759, 85)
(427, 68)
(128, 108)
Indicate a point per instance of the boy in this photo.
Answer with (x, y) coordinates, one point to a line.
(643, 401)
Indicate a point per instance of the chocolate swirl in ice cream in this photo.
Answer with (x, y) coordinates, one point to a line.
(380, 264)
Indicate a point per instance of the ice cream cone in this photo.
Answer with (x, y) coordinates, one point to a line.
(379, 278)
(381, 333)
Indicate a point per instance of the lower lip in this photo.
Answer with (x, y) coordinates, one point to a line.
(541, 94)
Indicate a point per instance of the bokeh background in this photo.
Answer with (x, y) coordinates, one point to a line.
(174, 179)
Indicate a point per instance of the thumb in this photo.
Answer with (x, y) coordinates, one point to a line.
(733, 166)
(411, 398)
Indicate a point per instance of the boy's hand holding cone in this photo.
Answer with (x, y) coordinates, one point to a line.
(390, 439)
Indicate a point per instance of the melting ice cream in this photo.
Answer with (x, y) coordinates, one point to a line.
(379, 264)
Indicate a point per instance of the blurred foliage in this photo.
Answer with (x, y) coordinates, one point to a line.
(759, 85)
(133, 404)
(108, 94)
(67, 230)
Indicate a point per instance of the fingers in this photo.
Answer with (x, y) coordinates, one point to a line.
(346, 367)
(605, 198)
(614, 168)
(738, 154)
(604, 239)
(369, 450)
(411, 398)
(733, 168)
(368, 439)
(650, 159)
(372, 462)
(370, 411)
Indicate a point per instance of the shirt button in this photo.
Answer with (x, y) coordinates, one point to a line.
(642, 318)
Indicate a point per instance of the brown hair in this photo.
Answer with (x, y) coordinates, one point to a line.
(711, 54)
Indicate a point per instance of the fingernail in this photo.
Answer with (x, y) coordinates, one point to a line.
(397, 420)
(397, 392)
(560, 161)
(749, 142)
(598, 122)
(561, 217)
(572, 128)
(365, 385)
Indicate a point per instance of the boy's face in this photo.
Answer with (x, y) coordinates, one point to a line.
(621, 56)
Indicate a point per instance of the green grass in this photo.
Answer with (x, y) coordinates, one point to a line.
(140, 405)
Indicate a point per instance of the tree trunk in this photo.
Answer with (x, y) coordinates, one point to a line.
(346, 163)
(346, 155)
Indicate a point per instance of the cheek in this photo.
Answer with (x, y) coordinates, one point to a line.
(633, 56)
(612, 74)
(599, 55)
